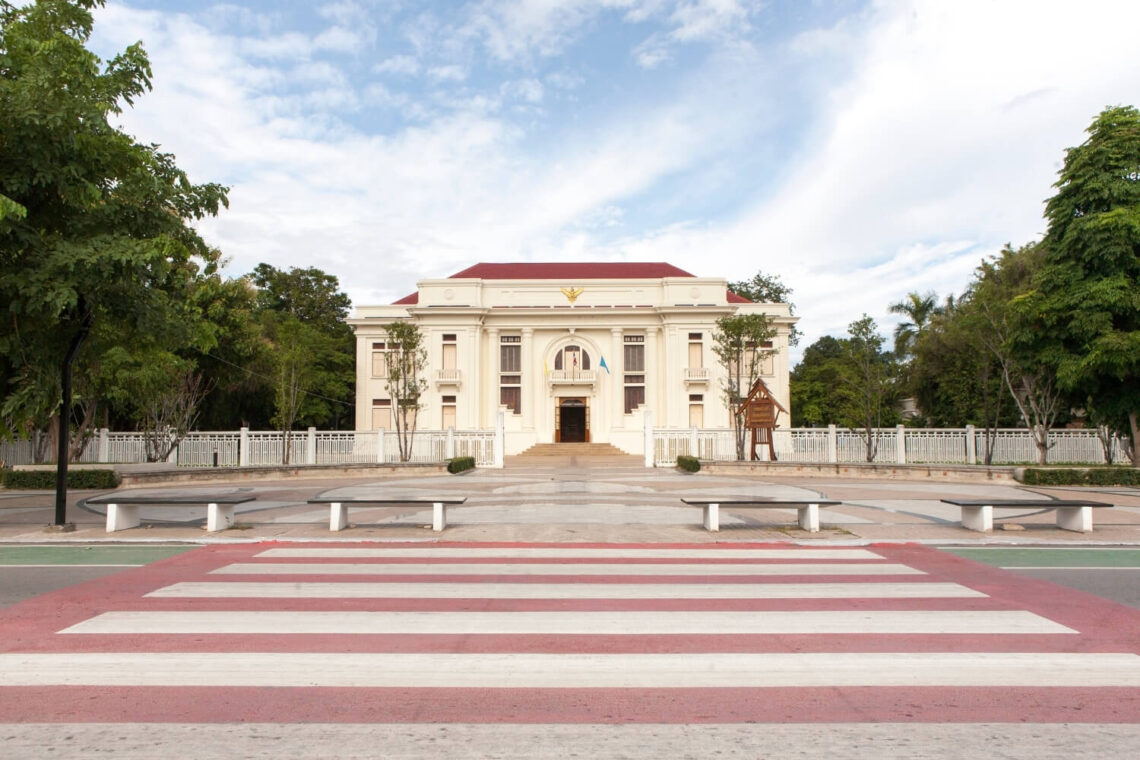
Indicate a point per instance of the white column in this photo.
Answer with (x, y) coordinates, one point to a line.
(900, 444)
(526, 366)
(971, 445)
(380, 445)
(832, 445)
(491, 394)
(243, 450)
(449, 447)
(653, 376)
(311, 446)
(617, 376)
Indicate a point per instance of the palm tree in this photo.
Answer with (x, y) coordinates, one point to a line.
(921, 310)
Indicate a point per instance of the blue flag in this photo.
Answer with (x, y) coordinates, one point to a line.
(602, 364)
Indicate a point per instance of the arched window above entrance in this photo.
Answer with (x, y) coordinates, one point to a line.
(572, 358)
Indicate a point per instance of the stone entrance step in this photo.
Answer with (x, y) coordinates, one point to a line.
(573, 450)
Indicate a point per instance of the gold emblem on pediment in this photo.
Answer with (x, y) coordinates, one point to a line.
(572, 294)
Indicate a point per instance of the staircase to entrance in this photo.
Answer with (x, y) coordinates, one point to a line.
(573, 450)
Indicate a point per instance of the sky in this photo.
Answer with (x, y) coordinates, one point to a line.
(858, 151)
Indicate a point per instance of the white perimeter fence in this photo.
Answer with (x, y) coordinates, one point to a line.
(246, 448)
(900, 445)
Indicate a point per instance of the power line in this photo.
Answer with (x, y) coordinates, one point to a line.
(269, 379)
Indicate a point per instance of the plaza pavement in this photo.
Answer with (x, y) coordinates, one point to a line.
(586, 499)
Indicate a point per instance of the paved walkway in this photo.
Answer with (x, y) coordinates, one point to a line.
(587, 499)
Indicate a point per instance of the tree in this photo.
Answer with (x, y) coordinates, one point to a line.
(310, 297)
(763, 288)
(813, 384)
(998, 294)
(867, 384)
(741, 343)
(1082, 316)
(406, 362)
(919, 311)
(94, 226)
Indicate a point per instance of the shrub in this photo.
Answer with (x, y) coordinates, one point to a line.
(459, 464)
(688, 464)
(1081, 476)
(45, 479)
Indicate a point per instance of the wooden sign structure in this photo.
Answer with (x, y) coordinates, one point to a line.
(761, 410)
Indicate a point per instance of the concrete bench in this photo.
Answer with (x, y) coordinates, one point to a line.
(123, 510)
(978, 514)
(807, 510)
(338, 508)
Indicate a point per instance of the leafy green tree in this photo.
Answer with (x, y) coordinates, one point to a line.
(919, 310)
(741, 343)
(1082, 316)
(94, 226)
(957, 381)
(813, 384)
(867, 383)
(312, 298)
(763, 288)
(405, 383)
(997, 294)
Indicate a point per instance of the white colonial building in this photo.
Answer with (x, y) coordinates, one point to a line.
(566, 351)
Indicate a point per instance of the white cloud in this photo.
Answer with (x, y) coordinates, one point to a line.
(886, 154)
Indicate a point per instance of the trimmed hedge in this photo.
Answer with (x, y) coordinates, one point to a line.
(459, 464)
(688, 463)
(45, 479)
(1081, 476)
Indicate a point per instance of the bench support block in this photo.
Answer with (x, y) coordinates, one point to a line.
(438, 516)
(1077, 519)
(712, 517)
(122, 517)
(809, 517)
(978, 518)
(219, 517)
(338, 516)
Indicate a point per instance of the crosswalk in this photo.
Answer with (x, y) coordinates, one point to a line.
(427, 633)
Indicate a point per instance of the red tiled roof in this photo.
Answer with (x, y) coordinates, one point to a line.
(572, 270)
(568, 270)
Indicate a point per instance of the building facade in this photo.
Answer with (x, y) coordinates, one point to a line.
(566, 351)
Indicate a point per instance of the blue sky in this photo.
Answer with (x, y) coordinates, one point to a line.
(858, 150)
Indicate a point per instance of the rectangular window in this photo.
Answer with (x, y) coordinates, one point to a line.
(381, 414)
(634, 372)
(448, 412)
(510, 373)
(379, 360)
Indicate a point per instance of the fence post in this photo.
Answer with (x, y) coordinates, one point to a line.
(449, 448)
(500, 423)
(379, 445)
(103, 446)
(694, 444)
(243, 447)
(832, 445)
(649, 453)
(900, 444)
(971, 445)
(311, 446)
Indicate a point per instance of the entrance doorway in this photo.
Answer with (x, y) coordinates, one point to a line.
(572, 421)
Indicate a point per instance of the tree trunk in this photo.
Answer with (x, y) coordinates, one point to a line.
(63, 442)
(1134, 423)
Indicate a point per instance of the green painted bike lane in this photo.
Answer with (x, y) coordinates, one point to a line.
(1058, 557)
(87, 555)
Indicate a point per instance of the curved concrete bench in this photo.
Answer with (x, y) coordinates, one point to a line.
(807, 509)
(338, 508)
(978, 514)
(123, 510)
